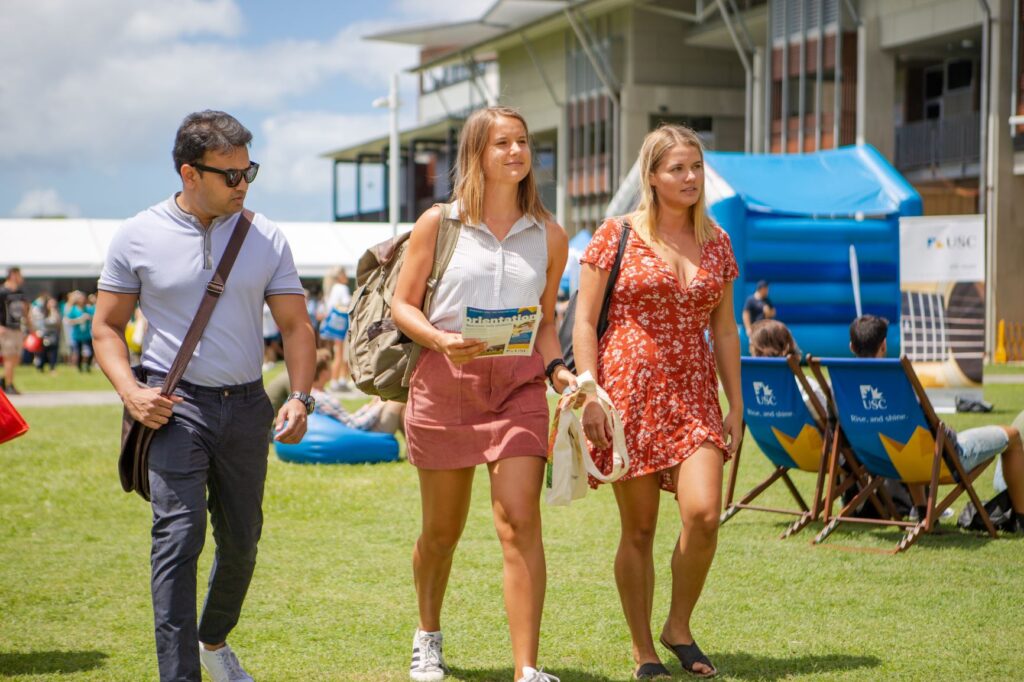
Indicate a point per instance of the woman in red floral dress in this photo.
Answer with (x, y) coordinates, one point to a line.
(657, 361)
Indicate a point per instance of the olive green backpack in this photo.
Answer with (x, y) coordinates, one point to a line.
(380, 357)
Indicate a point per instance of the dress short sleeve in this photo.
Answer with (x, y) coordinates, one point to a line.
(603, 248)
(730, 270)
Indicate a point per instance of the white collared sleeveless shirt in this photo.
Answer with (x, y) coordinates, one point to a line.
(491, 274)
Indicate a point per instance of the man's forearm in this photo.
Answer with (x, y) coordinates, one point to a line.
(299, 356)
(111, 351)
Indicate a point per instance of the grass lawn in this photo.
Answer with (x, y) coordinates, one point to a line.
(332, 598)
(67, 378)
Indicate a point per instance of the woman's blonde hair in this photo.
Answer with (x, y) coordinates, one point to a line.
(656, 145)
(469, 178)
(333, 276)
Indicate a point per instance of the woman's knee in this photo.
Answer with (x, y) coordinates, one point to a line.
(439, 542)
(702, 524)
(517, 527)
(639, 535)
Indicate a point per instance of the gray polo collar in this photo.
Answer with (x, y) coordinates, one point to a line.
(184, 216)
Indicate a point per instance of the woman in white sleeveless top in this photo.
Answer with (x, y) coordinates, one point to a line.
(463, 410)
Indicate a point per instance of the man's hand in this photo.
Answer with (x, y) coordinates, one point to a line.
(148, 407)
(290, 425)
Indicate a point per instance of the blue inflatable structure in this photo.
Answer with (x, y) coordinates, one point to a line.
(328, 441)
(822, 229)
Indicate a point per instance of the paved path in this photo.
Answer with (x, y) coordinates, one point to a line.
(65, 398)
(1004, 378)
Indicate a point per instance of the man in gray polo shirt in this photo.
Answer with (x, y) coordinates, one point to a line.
(212, 433)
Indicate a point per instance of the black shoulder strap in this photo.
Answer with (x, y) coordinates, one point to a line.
(613, 276)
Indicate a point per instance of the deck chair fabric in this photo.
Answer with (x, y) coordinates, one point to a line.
(777, 416)
(789, 433)
(888, 421)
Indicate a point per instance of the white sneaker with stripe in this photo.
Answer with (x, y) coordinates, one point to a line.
(427, 657)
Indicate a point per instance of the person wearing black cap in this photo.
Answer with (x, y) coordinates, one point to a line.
(757, 306)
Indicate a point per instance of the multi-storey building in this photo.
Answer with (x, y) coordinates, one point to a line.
(932, 84)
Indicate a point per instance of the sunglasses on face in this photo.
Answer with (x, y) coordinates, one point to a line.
(232, 176)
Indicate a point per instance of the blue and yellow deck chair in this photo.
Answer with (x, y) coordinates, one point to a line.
(889, 423)
(790, 435)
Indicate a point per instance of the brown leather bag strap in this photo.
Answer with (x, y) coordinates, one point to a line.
(214, 289)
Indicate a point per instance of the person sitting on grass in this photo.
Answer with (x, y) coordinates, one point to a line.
(975, 446)
(376, 415)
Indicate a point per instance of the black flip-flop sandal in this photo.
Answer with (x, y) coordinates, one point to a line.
(689, 655)
(651, 671)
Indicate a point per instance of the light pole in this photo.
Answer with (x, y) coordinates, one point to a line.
(392, 103)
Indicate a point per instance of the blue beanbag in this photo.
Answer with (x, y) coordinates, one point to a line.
(328, 441)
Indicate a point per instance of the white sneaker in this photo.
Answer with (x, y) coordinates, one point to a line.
(427, 657)
(223, 665)
(532, 675)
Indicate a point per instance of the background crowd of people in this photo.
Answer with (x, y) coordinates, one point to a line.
(45, 331)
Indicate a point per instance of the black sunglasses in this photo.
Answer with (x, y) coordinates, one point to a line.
(232, 176)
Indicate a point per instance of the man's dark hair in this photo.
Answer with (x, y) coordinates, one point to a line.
(205, 131)
(12, 271)
(867, 333)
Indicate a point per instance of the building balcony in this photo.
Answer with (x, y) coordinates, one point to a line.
(948, 147)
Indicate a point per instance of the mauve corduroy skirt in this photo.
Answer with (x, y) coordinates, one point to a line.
(482, 411)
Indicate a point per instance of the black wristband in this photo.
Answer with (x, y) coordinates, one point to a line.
(552, 366)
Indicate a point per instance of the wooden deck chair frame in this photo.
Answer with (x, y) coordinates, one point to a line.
(945, 451)
(804, 515)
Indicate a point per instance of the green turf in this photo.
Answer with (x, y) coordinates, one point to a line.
(332, 598)
(67, 378)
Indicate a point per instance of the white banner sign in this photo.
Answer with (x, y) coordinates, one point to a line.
(942, 249)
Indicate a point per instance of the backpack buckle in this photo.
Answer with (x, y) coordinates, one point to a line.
(214, 288)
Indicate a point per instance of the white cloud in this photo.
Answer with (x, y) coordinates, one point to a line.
(170, 19)
(107, 95)
(290, 161)
(44, 203)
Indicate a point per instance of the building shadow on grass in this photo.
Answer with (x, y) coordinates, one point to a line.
(48, 662)
(743, 666)
(505, 674)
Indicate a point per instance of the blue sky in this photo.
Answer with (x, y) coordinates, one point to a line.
(92, 91)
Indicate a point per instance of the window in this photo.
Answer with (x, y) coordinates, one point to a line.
(959, 74)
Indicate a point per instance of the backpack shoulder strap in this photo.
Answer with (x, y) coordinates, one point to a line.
(447, 237)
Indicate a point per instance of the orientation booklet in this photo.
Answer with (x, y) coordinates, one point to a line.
(510, 331)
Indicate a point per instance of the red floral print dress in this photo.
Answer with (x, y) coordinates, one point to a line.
(655, 360)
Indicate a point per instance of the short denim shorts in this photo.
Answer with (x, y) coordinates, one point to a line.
(979, 445)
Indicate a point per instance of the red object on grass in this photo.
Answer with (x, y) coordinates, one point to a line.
(12, 424)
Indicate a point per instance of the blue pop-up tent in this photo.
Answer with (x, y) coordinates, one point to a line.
(571, 276)
(812, 225)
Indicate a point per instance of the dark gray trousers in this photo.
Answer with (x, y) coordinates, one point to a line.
(216, 442)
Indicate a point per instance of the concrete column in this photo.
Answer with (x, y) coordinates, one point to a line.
(876, 90)
(1006, 190)
(757, 108)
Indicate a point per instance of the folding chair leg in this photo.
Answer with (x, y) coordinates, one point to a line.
(752, 495)
(834, 522)
(796, 493)
(911, 537)
(797, 525)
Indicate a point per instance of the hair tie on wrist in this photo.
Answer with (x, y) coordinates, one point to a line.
(552, 366)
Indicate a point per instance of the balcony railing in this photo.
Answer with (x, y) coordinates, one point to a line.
(935, 143)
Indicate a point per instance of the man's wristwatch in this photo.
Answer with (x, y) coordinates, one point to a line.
(304, 398)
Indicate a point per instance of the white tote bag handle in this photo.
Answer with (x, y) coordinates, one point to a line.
(570, 458)
(620, 458)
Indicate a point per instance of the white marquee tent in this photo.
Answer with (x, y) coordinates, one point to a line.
(76, 248)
